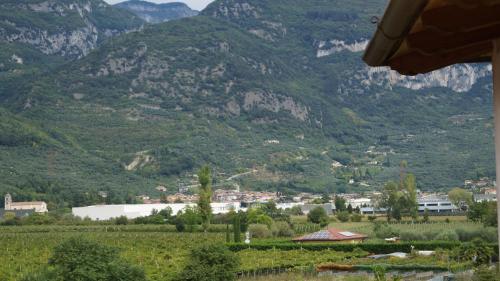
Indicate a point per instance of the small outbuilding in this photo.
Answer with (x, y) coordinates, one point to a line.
(332, 235)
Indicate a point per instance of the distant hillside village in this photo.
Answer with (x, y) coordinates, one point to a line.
(223, 201)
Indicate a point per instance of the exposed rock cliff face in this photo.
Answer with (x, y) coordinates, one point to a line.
(157, 13)
(459, 78)
(65, 28)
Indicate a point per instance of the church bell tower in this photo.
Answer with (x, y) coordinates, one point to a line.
(8, 202)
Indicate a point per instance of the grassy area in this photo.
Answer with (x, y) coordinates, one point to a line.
(164, 253)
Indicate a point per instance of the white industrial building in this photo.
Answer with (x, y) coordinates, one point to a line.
(359, 202)
(106, 212)
(436, 204)
(431, 203)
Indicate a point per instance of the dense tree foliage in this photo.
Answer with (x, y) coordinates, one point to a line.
(400, 199)
(485, 212)
(318, 215)
(205, 196)
(213, 262)
(78, 259)
(460, 197)
(76, 127)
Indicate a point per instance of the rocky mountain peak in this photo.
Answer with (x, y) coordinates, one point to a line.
(69, 28)
(157, 13)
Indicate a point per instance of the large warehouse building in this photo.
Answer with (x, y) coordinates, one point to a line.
(106, 212)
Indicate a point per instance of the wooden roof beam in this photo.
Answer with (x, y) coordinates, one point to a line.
(458, 19)
(414, 63)
(432, 41)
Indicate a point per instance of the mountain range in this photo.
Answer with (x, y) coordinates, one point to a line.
(94, 99)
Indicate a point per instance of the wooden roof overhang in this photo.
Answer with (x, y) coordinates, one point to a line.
(419, 36)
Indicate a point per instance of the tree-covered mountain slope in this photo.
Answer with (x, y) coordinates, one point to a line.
(157, 13)
(277, 88)
(69, 28)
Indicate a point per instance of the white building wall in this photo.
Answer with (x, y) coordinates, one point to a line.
(106, 212)
(285, 206)
(359, 202)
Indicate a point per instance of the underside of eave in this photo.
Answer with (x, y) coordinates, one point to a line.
(443, 33)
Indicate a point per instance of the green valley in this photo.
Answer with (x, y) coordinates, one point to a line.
(273, 86)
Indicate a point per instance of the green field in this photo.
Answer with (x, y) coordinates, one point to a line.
(163, 252)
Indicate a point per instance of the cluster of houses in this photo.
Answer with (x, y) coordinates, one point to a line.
(227, 200)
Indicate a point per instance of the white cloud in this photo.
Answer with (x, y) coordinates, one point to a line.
(194, 4)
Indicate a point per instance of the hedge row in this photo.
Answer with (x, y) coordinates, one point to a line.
(378, 248)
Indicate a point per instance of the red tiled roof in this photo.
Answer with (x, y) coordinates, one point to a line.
(331, 234)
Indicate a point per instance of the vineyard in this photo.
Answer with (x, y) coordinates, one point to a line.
(163, 253)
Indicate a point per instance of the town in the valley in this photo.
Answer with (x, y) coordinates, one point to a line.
(225, 200)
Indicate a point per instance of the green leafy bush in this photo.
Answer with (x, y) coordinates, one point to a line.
(282, 229)
(383, 230)
(211, 262)
(343, 216)
(259, 231)
(447, 235)
(356, 217)
(488, 234)
(85, 260)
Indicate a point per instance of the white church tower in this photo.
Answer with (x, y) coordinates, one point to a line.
(8, 202)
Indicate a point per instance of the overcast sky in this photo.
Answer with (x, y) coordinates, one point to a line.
(194, 4)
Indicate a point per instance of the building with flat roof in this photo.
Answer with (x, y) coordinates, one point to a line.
(107, 212)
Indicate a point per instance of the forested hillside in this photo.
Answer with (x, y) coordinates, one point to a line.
(274, 87)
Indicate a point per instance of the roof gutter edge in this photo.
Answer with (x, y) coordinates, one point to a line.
(399, 18)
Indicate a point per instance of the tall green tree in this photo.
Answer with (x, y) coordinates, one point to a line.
(237, 229)
(340, 204)
(460, 197)
(401, 199)
(205, 196)
(410, 191)
(318, 215)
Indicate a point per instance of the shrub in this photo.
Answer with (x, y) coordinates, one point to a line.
(372, 218)
(430, 235)
(356, 217)
(259, 231)
(383, 230)
(84, 260)
(123, 220)
(343, 216)
(483, 273)
(447, 235)
(282, 229)
(487, 234)
(211, 262)
(411, 236)
(179, 225)
(477, 251)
